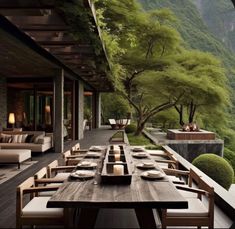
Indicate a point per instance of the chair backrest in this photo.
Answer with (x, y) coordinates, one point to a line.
(42, 173)
(19, 194)
(126, 121)
(53, 164)
(193, 178)
(112, 121)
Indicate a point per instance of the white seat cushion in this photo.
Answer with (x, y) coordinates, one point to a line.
(195, 208)
(37, 208)
(62, 176)
(187, 194)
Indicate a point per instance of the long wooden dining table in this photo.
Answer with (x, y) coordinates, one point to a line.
(142, 195)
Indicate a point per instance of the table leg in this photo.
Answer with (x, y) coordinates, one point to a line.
(145, 217)
(86, 217)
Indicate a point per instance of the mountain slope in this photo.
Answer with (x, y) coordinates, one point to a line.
(193, 27)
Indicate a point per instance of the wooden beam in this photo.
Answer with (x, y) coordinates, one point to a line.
(57, 43)
(44, 28)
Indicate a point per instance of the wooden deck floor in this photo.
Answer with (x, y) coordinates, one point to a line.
(8, 188)
(117, 218)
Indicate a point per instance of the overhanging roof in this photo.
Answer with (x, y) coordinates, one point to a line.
(47, 28)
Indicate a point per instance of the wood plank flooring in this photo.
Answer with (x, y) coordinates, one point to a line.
(8, 188)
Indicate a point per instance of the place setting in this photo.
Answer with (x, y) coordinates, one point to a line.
(95, 149)
(93, 154)
(140, 155)
(138, 149)
(82, 174)
(145, 165)
(87, 165)
(153, 175)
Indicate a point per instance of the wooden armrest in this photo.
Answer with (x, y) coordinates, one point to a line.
(169, 171)
(166, 161)
(65, 167)
(195, 190)
(40, 189)
(80, 151)
(178, 182)
(74, 156)
(48, 180)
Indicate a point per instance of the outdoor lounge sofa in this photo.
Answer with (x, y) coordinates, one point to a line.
(36, 141)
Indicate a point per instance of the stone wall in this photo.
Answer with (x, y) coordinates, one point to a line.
(3, 102)
(190, 150)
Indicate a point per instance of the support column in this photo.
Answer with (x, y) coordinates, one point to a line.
(79, 110)
(59, 112)
(96, 110)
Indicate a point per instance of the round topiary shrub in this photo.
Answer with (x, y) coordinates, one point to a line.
(130, 128)
(216, 168)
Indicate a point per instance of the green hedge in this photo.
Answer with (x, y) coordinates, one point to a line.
(130, 128)
(215, 167)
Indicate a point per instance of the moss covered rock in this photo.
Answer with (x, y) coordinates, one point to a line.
(215, 167)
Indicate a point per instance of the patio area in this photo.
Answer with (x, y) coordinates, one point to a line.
(8, 189)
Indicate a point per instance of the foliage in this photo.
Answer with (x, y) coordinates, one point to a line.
(215, 167)
(229, 155)
(138, 140)
(154, 63)
(130, 128)
(166, 119)
(208, 90)
(113, 106)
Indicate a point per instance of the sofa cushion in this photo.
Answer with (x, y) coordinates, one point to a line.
(28, 138)
(6, 138)
(19, 138)
(44, 140)
(35, 139)
(24, 136)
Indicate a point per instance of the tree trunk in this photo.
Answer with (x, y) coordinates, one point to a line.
(140, 125)
(192, 111)
(180, 111)
(140, 128)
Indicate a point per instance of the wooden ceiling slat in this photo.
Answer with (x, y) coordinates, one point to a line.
(41, 21)
(42, 28)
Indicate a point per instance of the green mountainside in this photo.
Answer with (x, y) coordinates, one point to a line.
(199, 20)
(208, 25)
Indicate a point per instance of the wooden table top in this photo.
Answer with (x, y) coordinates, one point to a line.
(140, 193)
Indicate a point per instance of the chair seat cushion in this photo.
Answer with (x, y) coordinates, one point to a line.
(195, 208)
(187, 194)
(62, 176)
(37, 208)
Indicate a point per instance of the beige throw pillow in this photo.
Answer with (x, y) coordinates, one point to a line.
(24, 136)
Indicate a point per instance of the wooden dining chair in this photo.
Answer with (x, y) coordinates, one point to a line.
(41, 178)
(34, 211)
(71, 159)
(59, 172)
(199, 213)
